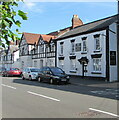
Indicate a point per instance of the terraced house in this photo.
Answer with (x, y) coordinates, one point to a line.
(38, 50)
(33, 49)
(90, 50)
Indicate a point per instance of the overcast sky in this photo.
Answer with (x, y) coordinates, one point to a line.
(45, 17)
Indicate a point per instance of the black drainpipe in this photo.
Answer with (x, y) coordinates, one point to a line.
(118, 44)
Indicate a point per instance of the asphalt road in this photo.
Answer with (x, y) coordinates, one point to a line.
(31, 99)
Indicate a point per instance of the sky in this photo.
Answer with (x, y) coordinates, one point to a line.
(46, 17)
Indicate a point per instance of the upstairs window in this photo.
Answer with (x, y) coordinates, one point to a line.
(97, 42)
(72, 46)
(52, 47)
(84, 44)
(78, 47)
(61, 48)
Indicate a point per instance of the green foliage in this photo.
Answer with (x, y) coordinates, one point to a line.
(7, 20)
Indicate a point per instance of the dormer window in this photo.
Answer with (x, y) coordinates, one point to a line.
(97, 42)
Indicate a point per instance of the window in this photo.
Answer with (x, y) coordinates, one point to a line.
(97, 43)
(78, 47)
(41, 48)
(61, 48)
(61, 62)
(72, 46)
(97, 64)
(72, 64)
(35, 63)
(84, 46)
(23, 51)
(52, 47)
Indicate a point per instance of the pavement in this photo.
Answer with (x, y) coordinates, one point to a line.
(93, 82)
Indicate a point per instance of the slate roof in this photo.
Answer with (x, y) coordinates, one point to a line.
(90, 27)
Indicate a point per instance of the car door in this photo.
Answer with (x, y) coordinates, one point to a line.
(47, 74)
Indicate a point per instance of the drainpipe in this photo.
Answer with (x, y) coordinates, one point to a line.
(118, 44)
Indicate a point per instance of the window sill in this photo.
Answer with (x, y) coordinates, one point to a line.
(73, 71)
(95, 72)
(84, 52)
(96, 51)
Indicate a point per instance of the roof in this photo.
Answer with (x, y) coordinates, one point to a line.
(47, 38)
(89, 27)
(32, 38)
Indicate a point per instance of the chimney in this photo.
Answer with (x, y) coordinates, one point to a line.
(76, 21)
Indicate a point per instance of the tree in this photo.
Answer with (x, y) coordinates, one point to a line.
(7, 20)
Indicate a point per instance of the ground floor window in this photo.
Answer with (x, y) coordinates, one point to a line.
(61, 64)
(97, 64)
(72, 64)
(35, 63)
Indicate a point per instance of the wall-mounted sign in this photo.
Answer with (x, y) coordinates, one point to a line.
(112, 57)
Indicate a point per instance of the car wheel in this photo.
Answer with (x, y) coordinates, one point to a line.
(30, 78)
(23, 77)
(39, 79)
(51, 81)
(7, 75)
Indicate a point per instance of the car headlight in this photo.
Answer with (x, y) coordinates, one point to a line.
(67, 77)
(56, 77)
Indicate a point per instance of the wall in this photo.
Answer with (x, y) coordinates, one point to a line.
(113, 47)
(90, 45)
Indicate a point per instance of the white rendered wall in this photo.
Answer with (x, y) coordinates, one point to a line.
(113, 47)
(90, 46)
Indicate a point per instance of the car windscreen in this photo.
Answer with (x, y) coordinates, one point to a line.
(57, 71)
(14, 69)
(35, 70)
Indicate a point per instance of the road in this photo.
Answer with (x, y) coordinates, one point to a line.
(31, 99)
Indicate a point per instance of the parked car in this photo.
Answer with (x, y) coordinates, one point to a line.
(12, 72)
(52, 75)
(30, 73)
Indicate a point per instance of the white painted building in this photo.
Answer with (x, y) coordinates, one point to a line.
(10, 57)
(90, 50)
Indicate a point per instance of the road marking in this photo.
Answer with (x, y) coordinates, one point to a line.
(112, 114)
(43, 96)
(8, 86)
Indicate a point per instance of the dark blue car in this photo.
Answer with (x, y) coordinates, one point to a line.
(52, 75)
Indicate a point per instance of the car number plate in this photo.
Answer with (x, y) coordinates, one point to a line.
(63, 79)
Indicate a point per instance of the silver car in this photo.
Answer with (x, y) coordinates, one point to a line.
(30, 73)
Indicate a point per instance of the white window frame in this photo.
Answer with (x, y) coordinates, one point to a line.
(97, 65)
(61, 49)
(73, 47)
(61, 64)
(78, 47)
(97, 44)
(84, 46)
(73, 65)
